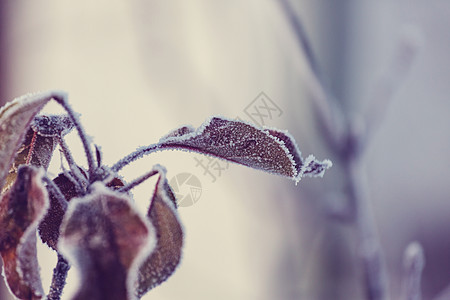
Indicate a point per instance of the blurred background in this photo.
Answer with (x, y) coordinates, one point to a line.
(136, 70)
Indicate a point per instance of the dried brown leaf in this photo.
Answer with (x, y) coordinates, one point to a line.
(269, 150)
(105, 236)
(163, 261)
(51, 223)
(15, 119)
(21, 209)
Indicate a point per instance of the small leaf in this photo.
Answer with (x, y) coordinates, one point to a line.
(163, 261)
(21, 209)
(15, 119)
(105, 236)
(269, 150)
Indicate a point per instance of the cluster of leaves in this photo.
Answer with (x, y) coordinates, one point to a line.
(87, 215)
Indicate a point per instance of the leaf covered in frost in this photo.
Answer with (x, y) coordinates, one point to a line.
(21, 209)
(39, 142)
(15, 119)
(163, 261)
(269, 150)
(105, 236)
(49, 227)
(51, 223)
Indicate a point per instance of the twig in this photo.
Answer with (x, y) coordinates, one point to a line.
(414, 262)
(137, 181)
(61, 98)
(444, 294)
(79, 179)
(369, 250)
(330, 117)
(59, 279)
(347, 139)
(135, 155)
(386, 86)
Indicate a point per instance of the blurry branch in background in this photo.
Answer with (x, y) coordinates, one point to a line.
(444, 295)
(413, 263)
(328, 113)
(347, 139)
(409, 43)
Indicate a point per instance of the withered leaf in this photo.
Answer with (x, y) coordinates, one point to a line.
(163, 261)
(50, 225)
(107, 239)
(269, 150)
(39, 143)
(15, 119)
(21, 209)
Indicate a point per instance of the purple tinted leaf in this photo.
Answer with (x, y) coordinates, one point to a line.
(52, 125)
(51, 223)
(21, 209)
(49, 227)
(105, 236)
(15, 119)
(163, 261)
(269, 150)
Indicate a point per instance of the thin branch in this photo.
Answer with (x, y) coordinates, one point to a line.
(369, 250)
(59, 279)
(79, 179)
(444, 294)
(61, 98)
(386, 86)
(344, 139)
(137, 181)
(414, 262)
(330, 117)
(136, 155)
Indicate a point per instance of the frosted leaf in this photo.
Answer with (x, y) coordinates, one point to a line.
(105, 236)
(269, 150)
(39, 143)
(52, 125)
(15, 119)
(51, 223)
(21, 209)
(163, 261)
(49, 227)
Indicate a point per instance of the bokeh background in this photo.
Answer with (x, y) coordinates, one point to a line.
(137, 69)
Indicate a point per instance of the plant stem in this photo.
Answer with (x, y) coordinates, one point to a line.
(137, 181)
(61, 98)
(369, 250)
(135, 155)
(59, 279)
(413, 263)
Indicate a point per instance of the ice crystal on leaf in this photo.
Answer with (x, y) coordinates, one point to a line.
(88, 216)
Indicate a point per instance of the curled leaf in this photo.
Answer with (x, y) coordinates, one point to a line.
(104, 235)
(21, 209)
(51, 223)
(39, 142)
(163, 261)
(269, 150)
(15, 119)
